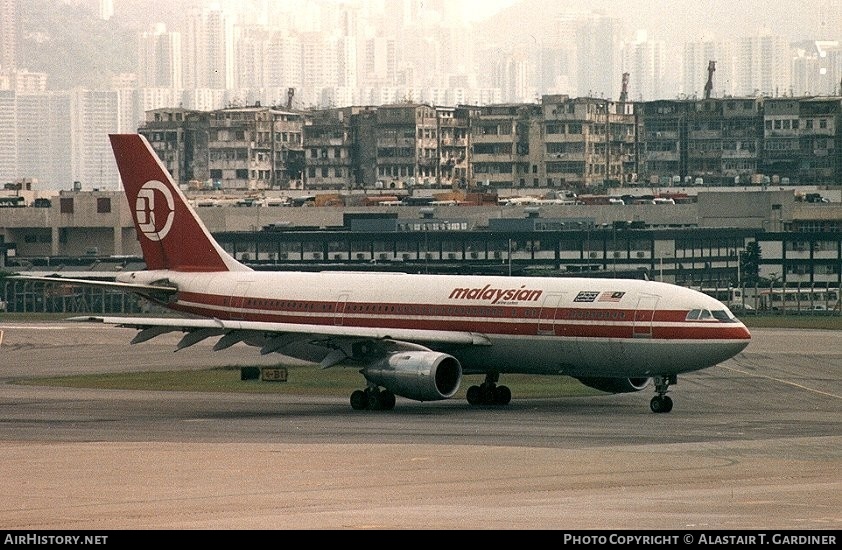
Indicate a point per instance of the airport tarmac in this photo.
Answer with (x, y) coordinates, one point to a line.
(754, 443)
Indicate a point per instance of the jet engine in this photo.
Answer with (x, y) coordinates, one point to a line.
(418, 375)
(616, 385)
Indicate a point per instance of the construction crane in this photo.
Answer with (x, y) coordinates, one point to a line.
(624, 92)
(709, 85)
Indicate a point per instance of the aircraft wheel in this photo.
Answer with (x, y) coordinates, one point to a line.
(661, 404)
(374, 402)
(488, 394)
(502, 395)
(474, 395)
(359, 400)
(656, 404)
(387, 400)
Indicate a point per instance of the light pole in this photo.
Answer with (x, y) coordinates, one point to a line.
(661, 260)
(587, 252)
(510, 257)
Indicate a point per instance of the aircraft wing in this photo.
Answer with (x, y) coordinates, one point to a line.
(339, 340)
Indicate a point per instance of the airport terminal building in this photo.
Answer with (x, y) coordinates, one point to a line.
(722, 240)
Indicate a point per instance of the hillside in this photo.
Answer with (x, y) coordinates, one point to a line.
(71, 45)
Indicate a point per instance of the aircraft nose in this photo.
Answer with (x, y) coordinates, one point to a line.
(741, 340)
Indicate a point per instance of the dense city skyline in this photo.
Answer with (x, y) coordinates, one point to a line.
(84, 68)
(512, 45)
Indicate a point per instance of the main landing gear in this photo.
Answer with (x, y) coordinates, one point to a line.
(662, 403)
(489, 393)
(373, 399)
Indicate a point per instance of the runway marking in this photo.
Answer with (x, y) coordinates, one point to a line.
(32, 327)
(784, 382)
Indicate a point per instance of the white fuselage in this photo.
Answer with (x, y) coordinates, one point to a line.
(573, 326)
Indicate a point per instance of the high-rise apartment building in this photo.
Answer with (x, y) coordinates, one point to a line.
(817, 68)
(94, 115)
(284, 61)
(219, 49)
(253, 58)
(596, 56)
(8, 36)
(763, 66)
(208, 50)
(105, 9)
(379, 62)
(160, 58)
(8, 136)
(319, 66)
(44, 144)
(645, 59)
(696, 59)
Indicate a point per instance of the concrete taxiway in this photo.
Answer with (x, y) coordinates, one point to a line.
(754, 443)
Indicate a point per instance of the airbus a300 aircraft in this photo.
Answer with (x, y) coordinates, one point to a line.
(413, 335)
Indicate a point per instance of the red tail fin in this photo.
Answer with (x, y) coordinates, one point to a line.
(171, 234)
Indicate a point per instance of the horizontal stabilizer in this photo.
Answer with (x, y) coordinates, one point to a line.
(144, 290)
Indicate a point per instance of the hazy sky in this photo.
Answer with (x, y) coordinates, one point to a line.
(474, 9)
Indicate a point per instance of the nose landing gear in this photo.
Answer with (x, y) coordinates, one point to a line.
(662, 403)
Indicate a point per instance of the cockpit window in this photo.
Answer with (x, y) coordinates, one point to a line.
(723, 315)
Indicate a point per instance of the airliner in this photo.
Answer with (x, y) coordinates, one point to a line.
(412, 335)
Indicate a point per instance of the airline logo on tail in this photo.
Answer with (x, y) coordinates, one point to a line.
(182, 244)
(145, 209)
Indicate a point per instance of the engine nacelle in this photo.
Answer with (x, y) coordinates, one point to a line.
(616, 385)
(418, 375)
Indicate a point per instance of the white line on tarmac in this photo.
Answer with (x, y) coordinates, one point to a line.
(32, 327)
(783, 382)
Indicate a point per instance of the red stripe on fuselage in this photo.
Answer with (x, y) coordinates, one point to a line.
(502, 320)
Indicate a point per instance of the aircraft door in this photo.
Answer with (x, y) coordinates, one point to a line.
(238, 300)
(548, 314)
(643, 316)
(339, 310)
